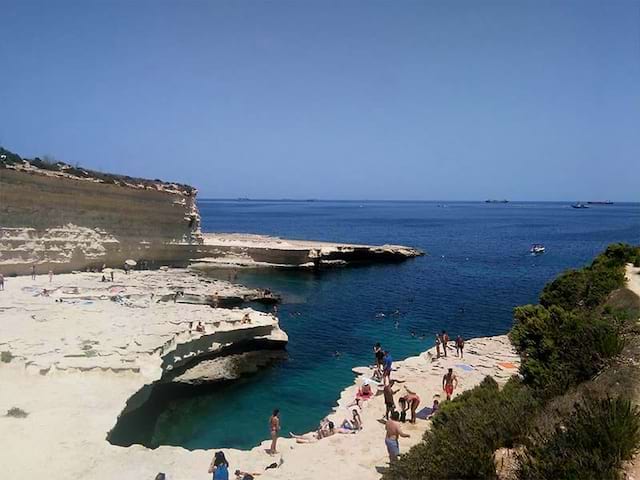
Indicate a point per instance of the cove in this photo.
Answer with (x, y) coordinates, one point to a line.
(477, 270)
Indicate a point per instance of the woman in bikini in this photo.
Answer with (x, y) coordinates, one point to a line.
(274, 427)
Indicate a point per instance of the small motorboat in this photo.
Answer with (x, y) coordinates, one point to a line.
(579, 205)
(536, 249)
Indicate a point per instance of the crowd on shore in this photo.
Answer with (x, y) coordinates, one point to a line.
(398, 410)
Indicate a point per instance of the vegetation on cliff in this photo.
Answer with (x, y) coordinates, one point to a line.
(12, 160)
(569, 415)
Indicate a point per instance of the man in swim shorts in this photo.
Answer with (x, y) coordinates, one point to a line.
(445, 340)
(460, 346)
(389, 402)
(394, 432)
(448, 381)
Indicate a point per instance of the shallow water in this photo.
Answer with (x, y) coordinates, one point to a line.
(477, 270)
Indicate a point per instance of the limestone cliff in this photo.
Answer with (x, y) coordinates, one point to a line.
(63, 218)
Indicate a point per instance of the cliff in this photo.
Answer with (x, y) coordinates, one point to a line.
(64, 218)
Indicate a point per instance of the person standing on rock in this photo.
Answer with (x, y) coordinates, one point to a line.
(445, 340)
(448, 381)
(379, 354)
(1, 282)
(389, 402)
(386, 371)
(50, 276)
(393, 434)
(412, 400)
(33, 272)
(438, 342)
(459, 346)
(274, 427)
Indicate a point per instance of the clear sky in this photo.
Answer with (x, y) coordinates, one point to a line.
(526, 100)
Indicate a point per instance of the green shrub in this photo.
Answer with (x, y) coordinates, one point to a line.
(467, 431)
(592, 444)
(590, 286)
(562, 348)
(6, 357)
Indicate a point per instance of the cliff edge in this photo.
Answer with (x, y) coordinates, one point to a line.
(62, 218)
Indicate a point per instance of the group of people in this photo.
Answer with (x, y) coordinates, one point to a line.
(327, 428)
(393, 418)
(198, 328)
(410, 401)
(33, 276)
(442, 341)
(219, 468)
(384, 362)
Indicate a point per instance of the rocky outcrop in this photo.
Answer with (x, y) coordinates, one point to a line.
(79, 324)
(61, 219)
(244, 250)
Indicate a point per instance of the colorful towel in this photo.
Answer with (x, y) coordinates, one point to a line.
(507, 365)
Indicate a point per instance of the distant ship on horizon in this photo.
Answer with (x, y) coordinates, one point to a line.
(605, 202)
(496, 201)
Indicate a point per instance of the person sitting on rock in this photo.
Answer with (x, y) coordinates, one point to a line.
(354, 424)
(364, 392)
(200, 327)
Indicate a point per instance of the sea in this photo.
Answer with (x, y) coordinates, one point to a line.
(477, 268)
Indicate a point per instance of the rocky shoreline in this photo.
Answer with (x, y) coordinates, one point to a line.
(114, 351)
(235, 250)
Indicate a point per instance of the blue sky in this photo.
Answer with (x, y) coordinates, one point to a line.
(342, 99)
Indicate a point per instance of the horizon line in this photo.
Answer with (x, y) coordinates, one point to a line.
(490, 201)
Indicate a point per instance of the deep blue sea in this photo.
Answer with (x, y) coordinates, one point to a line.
(477, 269)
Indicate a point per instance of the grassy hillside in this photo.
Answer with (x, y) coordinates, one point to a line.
(8, 158)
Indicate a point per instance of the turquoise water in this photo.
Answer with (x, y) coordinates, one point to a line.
(477, 270)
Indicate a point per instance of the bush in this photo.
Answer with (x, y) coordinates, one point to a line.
(467, 431)
(562, 348)
(16, 412)
(590, 286)
(6, 357)
(592, 444)
(577, 326)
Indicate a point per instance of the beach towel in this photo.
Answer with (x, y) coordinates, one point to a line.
(466, 368)
(507, 365)
(424, 413)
